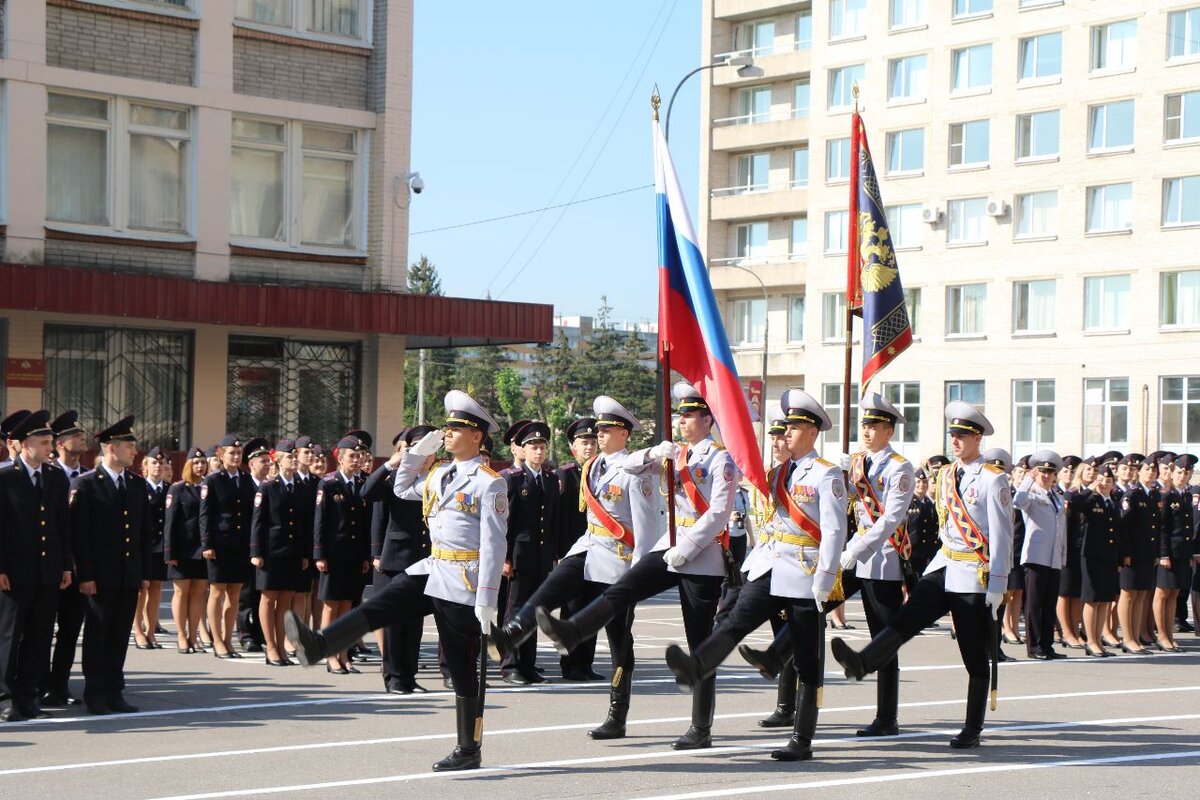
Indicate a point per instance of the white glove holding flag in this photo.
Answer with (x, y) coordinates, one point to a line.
(668, 450)
(674, 558)
(849, 559)
(487, 617)
(430, 443)
(844, 462)
(994, 600)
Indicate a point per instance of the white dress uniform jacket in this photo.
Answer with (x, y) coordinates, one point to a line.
(988, 501)
(891, 477)
(1045, 516)
(632, 500)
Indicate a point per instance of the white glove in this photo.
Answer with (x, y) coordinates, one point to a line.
(486, 616)
(994, 599)
(663, 450)
(674, 558)
(821, 597)
(429, 444)
(844, 462)
(849, 559)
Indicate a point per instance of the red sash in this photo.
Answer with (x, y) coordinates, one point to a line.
(783, 499)
(694, 496)
(874, 508)
(608, 521)
(966, 527)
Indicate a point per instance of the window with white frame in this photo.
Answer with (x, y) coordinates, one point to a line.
(796, 318)
(1179, 413)
(907, 14)
(971, 68)
(1110, 208)
(801, 95)
(1105, 415)
(1035, 215)
(1110, 127)
(1180, 298)
(1033, 414)
(800, 168)
(799, 239)
(969, 142)
(753, 173)
(841, 86)
(1181, 117)
(1183, 33)
(970, 8)
(1106, 303)
(833, 317)
(749, 320)
(906, 397)
(847, 18)
(1181, 200)
(754, 105)
(836, 231)
(832, 395)
(755, 38)
(966, 220)
(965, 306)
(907, 77)
(119, 164)
(333, 18)
(296, 184)
(751, 241)
(804, 30)
(1040, 57)
(837, 159)
(1033, 306)
(912, 302)
(906, 151)
(905, 226)
(1037, 135)
(1114, 46)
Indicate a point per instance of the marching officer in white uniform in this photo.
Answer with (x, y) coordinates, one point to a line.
(967, 577)
(466, 506)
(793, 567)
(1044, 509)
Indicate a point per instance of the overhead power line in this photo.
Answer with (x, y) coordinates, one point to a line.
(534, 210)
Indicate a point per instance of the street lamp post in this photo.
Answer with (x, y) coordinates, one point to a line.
(762, 402)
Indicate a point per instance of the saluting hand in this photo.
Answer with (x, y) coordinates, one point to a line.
(66, 579)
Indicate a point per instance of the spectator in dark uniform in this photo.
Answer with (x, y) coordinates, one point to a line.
(182, 552)
(1176, 548)
(257, 457)
(1070, 578)
(146, 620)
(35, 559)
(1141, 525)
(572, 523)
(11, 446)
(1015, 594)
(306, 482)
(226, 501)
(1100, 555)
(112, 532)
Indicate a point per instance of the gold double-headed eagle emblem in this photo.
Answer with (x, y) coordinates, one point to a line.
(878, 258)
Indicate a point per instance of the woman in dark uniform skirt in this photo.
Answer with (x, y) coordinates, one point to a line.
(1100, 557)
(182, 552)
(226, 503)
(1015, 594)
(1176, 549)
(1070, 577)
(1141, 522)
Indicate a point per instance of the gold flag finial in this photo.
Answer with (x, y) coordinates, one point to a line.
(655, 101)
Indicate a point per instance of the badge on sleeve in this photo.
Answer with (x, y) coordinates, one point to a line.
(646, 488)
(1005, 497)
(1125, 504)
(170, 498)
(904, 484)
(729, 473)
(501, 503)
(203, 490)
(839, 490)
(320, 496)
(257, 499)
(71, 497)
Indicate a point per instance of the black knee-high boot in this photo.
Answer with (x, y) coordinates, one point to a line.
(887, 702)
(977, 698)
(784, 715)
(312, 646)
(704, 706)
(468, 753)
(799, 747)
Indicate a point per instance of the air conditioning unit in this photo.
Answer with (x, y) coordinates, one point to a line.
(931, 214)
(997, 208)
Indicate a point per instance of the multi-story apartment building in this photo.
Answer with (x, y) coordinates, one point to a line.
(205, 217)
(1040, 162)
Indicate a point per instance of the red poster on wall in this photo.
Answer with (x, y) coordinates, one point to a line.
(25, 373)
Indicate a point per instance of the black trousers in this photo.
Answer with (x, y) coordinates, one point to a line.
(109, 617)
(698, 594)
(26, 628)
(755, 605)
(1041, 599)
(248, 625)
(402, 642)
(881, 600)
(72, 607)
(520, 588)
(929, 601)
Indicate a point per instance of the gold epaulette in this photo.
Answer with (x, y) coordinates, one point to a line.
(900, 458)
(489, 470)
(718, 445)
(995, 470)
(824, 463)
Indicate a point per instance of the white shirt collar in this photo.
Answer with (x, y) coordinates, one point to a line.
(111, 474)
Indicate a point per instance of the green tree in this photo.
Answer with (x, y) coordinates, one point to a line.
(612, 364)
(440, 364)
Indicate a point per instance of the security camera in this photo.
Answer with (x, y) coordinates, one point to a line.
(416, 182)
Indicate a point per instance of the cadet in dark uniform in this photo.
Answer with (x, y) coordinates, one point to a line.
(342, 541)
(1099, 556)
(256, 455)
(571, 524)
(35, 558)
(11, 446)
(145, 622)
(922, 524)
(1070, 577)
(1014, 598)
(309, 459)
(112, 531)
(399, 539)
(226, 502)
(183, 552)
(1141, 525)
(1176, 548)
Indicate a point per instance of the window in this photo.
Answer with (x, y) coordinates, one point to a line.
(279, 386)
(752, 241)
(799, 244)
(969, 8)
(1179, 414)
(966, 220)
(841, 86)
(1110, 127)
(1183, 33)
(1033, 306)
(837, 229)
(1110, 208)
(800, 99)
(906, 151)
(831, 399)
(749, 320)
(905, 225)
(1105, 415)
(754, 105)
(969, 143)
(1181, 200)
(106, 373)
(796, 318)
(1180, 298)
(800, 168)
(1033, 414)
(837, 160)
(1181, 118)
(907, 14)
(906, 397)
(1036, 215)
(912, 302)
(847, 18)
(295, 184)
(833, 317)
(1037, 135)
(333, 18)
(965, 308)
(1106, 303)
(971, 68)
(117, 164)
(907, 78)
(1040, 57)
(754, 38)
(753, 173)
(1114, 46)
(804, 30)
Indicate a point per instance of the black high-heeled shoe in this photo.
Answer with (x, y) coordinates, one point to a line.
(146, 646)
(1017, 640)
(339, 671)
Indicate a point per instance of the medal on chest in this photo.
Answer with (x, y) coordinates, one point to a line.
(971, 497)
(612, 493)
(466, 502)
(804, 494)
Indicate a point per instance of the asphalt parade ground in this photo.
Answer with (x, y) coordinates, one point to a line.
(1126, 726)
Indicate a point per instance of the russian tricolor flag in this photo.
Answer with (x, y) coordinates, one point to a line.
(689, 322)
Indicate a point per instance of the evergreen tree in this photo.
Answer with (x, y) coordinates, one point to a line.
(440, 364)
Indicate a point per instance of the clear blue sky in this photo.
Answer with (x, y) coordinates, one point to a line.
(505, 99)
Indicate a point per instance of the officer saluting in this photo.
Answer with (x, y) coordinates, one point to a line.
(967, 577)
(467, 509)
(112, 530)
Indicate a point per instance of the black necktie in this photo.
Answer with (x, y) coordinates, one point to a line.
(537, 481)
(37, 481)
(594, 478)
(449, 476)
(74, 474)
(867, 467)
(958, 476)
(287, 487)
(1108, 503)
(121, 486)
(791, 469)
(1054, 501)
(235, 480)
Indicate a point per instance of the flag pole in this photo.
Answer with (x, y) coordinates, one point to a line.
(852, 272)
(664, 356)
